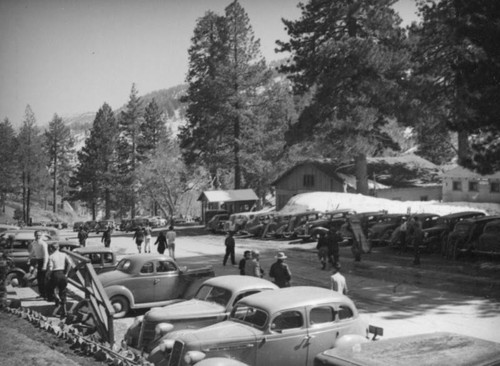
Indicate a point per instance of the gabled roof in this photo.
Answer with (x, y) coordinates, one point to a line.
(229, 196)
(326, 166)
(461, 172)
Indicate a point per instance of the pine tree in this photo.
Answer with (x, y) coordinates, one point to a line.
(129, 124)
(8, 168)
(58, 144)
(153, 130)
(351, 56)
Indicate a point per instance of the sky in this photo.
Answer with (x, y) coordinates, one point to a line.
(71, 56)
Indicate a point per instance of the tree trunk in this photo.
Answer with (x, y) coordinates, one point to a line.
(463, 146)
(55, 186)
(361, 174)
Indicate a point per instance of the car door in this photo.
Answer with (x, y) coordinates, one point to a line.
(285, 342)
(143, 284)
(327, 323)
(166, 281)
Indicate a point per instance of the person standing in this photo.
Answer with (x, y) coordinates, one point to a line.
(402, 237)
(280, 271)
(147, 240)
(139, 238)
(252, 267)
(106, 237)
(171, 241)
(338, 281)
(82, 236)
(161, 240)
(334, 238)
(230, 244)
(416, 237)
(39, 257)
(247, 255)
(322, 248)
(58, 264)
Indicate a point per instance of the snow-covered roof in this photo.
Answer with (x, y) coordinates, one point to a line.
(461, 172)
(329, 201)
(229, 196)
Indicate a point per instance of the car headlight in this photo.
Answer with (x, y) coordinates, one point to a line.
(163, 328)
(426, 235)
(192, 357)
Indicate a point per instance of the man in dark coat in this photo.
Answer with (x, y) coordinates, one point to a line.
(230, 244)
(280, 271)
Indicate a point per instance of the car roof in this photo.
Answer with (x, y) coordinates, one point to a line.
(474, 220)
(462, 213)
(239, 282)
(297, 296)
(99, 249)
(143, 258)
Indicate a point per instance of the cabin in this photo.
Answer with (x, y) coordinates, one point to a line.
(463, 185)
(229, 201)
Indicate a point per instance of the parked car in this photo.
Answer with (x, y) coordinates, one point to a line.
(77, 225)
(212, 304)
(427, 220)
(237, 221)
(216, 223)
(16, 247)
(330, 220)
(211, 213)
(4, 227)
(103, 225)
(381, 232)
(366, 220)
(147, 280)
(90, 226)
(489, 241)
(465, 235)
(102, 259)
(287, 326)
(298, 220)
(431, 349)
(258, 224)
(137, 223)
(125, 225)
(436, 237)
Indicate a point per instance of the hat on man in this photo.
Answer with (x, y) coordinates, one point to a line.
(255, 253)
(281, 255)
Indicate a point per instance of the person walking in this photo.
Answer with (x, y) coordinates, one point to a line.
(247, 255)
(106, 237)
(338, 281)
(139, 238)
(416, 236)
(402, 236)
(280, 271)
(334, 238)
(147, 239)
(171, 235)
(161, 240)
(322, 248)
(82, 236)
(39, 257)
(58, 265)
(230, 244)
(252, 266)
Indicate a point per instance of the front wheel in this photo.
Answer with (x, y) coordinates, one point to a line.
(15, 279)
(121, 306)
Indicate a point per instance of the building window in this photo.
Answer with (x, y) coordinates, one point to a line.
(424, 198)
(473, 187)
(308, 180)
(495, 187)
(457, 185)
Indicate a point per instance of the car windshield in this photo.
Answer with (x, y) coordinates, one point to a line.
(492, 228)
(124, 265)
(249, 315)
(215, 294)
(462, 227)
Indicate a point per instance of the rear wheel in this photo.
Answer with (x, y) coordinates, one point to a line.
(121, 306)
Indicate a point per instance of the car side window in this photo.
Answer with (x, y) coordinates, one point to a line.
(322, 314)
(287, 320)
(108, 258)
(165, 266)
(242, 295)
(345, 312)
(147, 268)
(95, 258)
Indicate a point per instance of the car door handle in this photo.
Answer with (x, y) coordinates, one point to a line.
(309, 337)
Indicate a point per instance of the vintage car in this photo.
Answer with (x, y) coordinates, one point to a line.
(216, 223)
(137, 223)
(147, 280)
(103, 225)
(427, 220)
(288, 326)
(330, 220)
(17, 247)
(102, 259)
(90, 226)
(465, 235)
(212, 304)
(437, 235)
(381, 232)
(4, 228)
(256, 226)
(77, 225)
(276, 226)
(236, 222)
(489, 241)
(298, 220)
(431, 349)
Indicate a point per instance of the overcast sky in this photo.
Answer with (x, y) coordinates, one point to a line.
(71, 56)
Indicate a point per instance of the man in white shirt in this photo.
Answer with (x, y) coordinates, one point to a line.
(39, 257)
(171, 242)
(338, 282)
(58, 264)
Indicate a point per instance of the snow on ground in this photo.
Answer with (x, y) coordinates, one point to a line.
(329, 201)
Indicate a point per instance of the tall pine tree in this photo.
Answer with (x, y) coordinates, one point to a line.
(9, 180)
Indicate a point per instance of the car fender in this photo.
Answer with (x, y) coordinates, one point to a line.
(220, 361)
(350, 340)
(122, 291)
